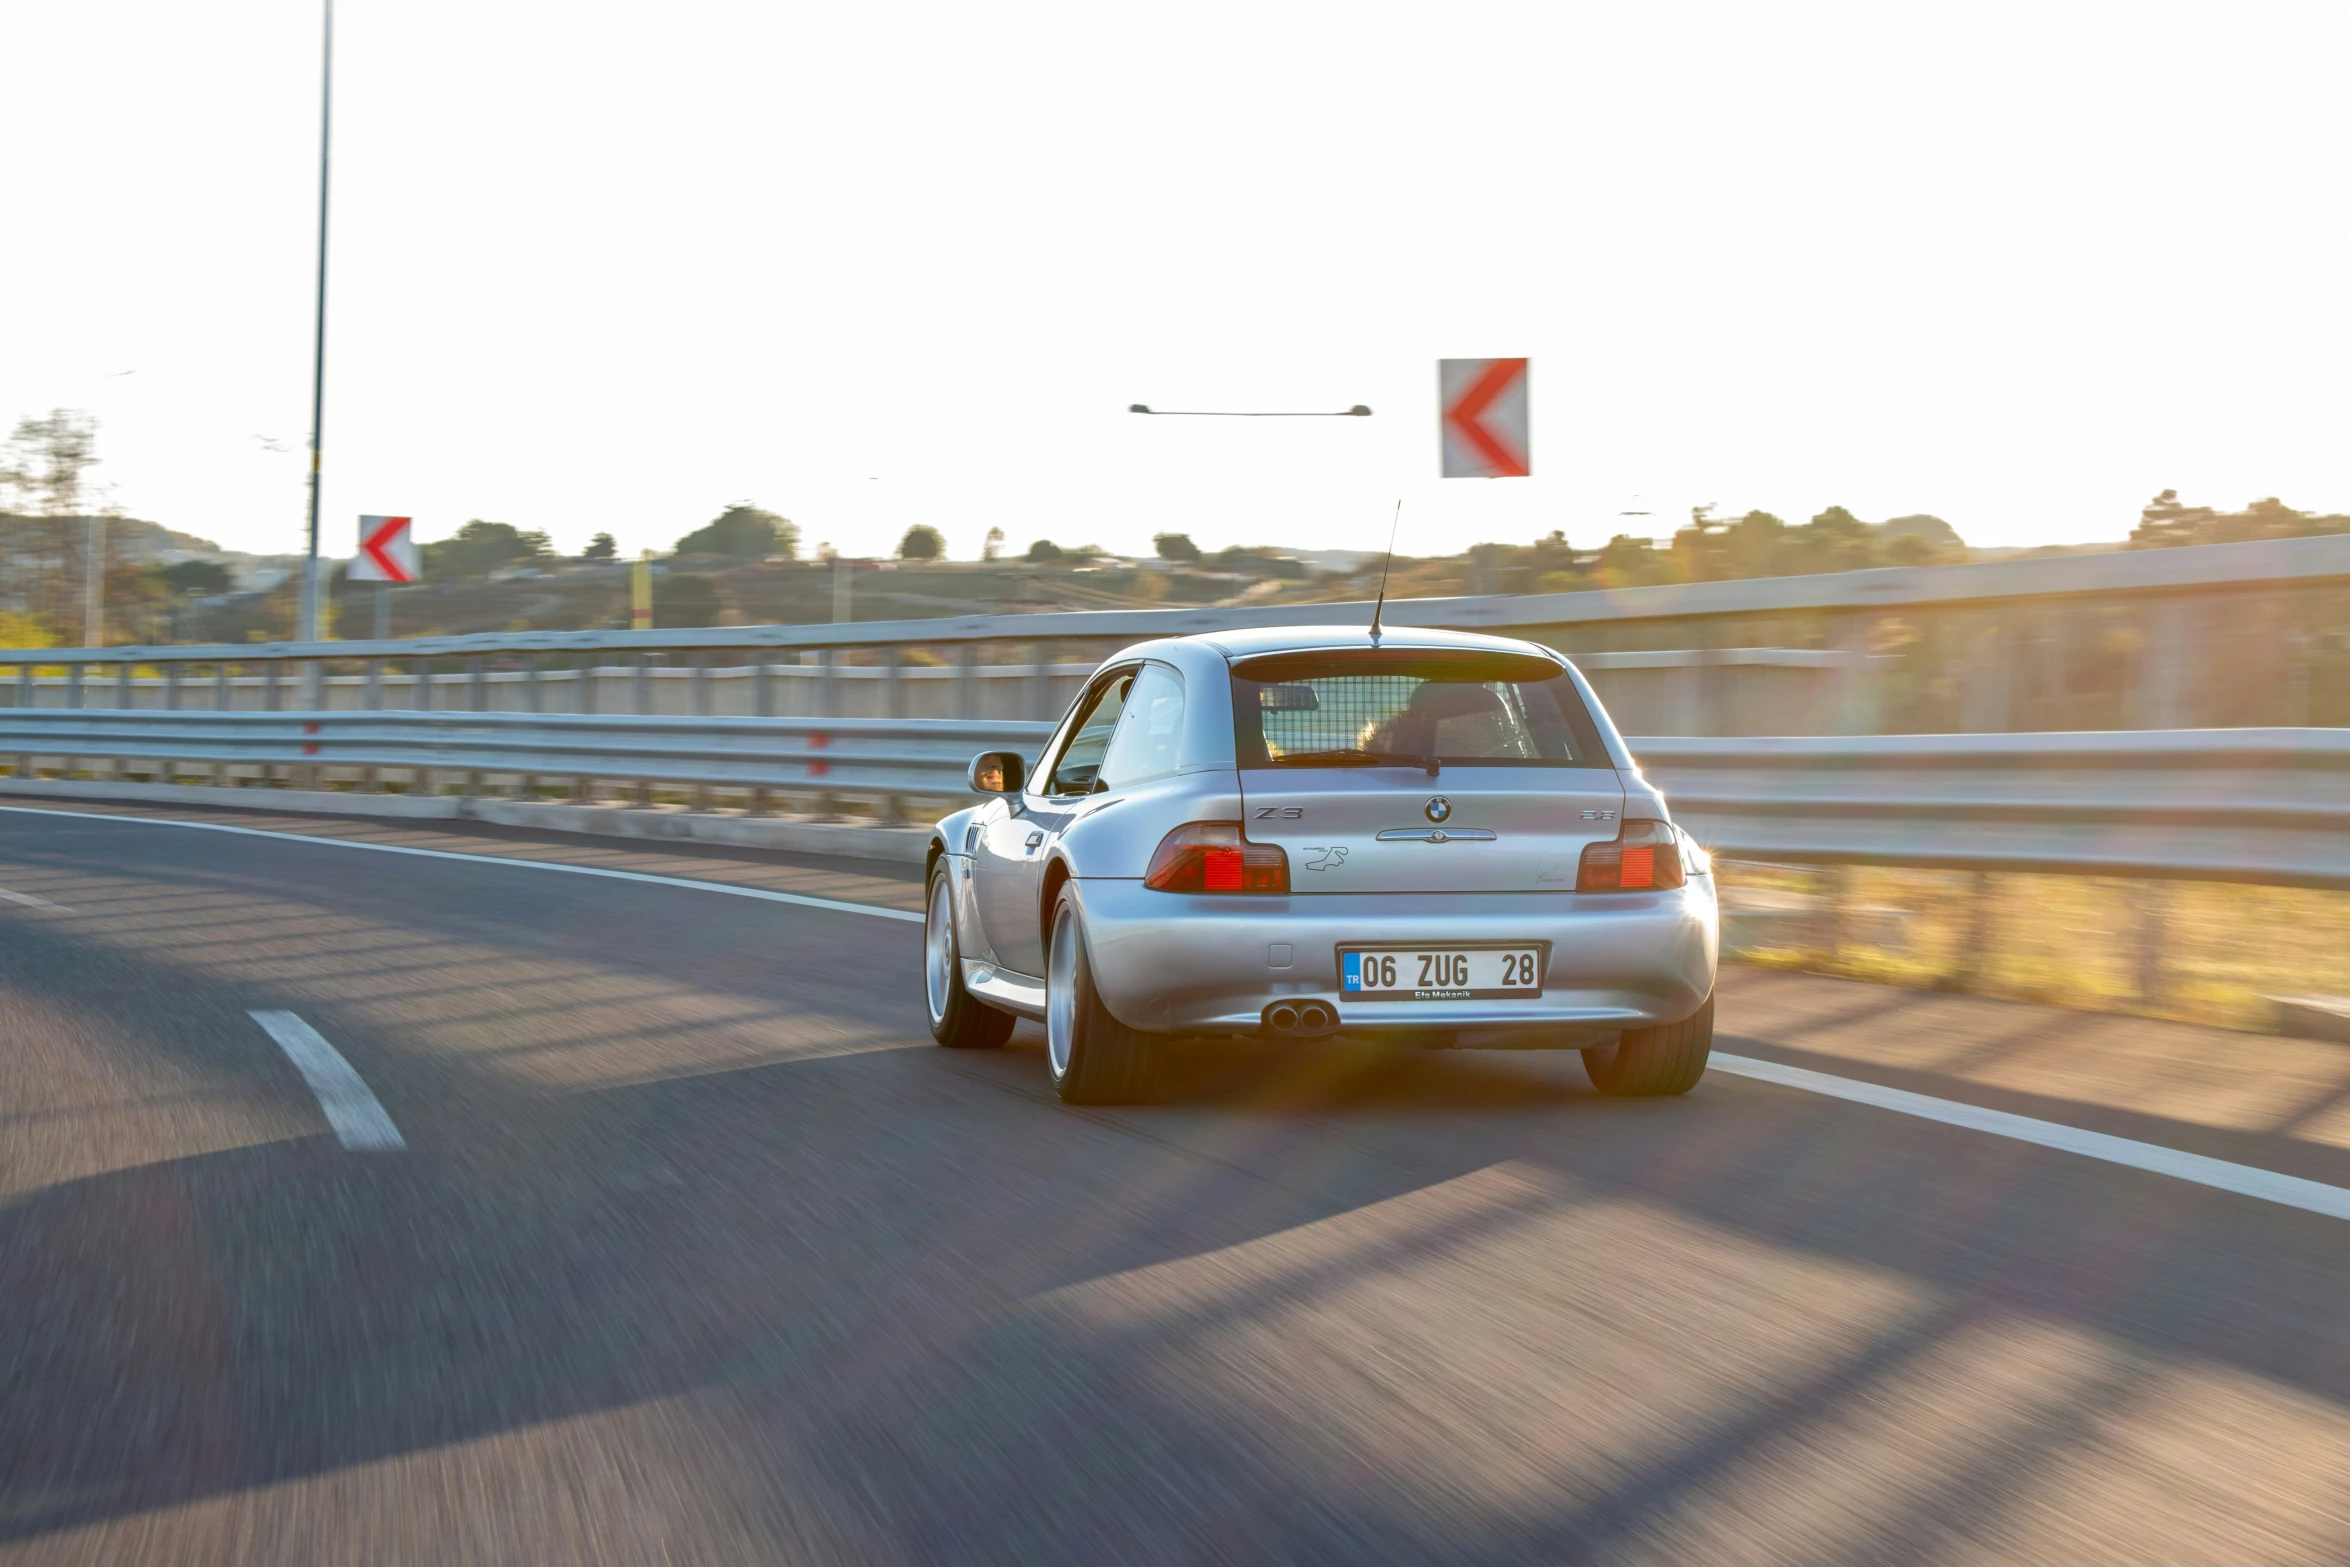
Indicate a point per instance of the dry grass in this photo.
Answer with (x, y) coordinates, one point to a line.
(2194, 951)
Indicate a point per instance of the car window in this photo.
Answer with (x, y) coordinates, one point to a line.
(1081, 759)
(1150, 733)
(1363, 707)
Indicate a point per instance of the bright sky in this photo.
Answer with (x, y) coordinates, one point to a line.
(612, 267)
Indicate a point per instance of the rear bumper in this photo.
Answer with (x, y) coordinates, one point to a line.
(1170, 963)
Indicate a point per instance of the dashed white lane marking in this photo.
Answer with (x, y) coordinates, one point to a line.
(836, 905)
(31, 902)
(2243, 1179)
(351, 1107)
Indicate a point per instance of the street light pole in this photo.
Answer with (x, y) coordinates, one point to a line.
(326, 98)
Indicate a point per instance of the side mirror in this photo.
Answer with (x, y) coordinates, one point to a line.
(997, 772)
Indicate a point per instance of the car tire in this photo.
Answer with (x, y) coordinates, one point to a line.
(958, 1019)
(1093, 1058)
(1651, 1062)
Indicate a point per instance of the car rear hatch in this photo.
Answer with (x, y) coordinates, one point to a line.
(1410, 770)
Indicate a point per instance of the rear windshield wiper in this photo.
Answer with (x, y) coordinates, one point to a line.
(1355, 756)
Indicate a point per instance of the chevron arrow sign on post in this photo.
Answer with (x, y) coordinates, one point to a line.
(1483, 426)
(387, 552)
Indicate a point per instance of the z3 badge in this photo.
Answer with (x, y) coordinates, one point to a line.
(1281, 813)
(1328, 859)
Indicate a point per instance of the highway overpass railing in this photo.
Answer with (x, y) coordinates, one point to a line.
(2255, 633)
(2258, 806)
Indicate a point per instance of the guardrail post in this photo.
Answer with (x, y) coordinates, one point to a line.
(762, 706)
(528, 785)
(28, 695)
(221, 776)
(111, 767)
(1974, 953)
(701, 668)
(828, 683)
(171, 686)
(583, 787)
(420, 673)
(893, 807)
(967, 681)
(312, 776)
(477, 694)
(2153, 936)
(1835, 884)
(644, 708)
(1040, 700)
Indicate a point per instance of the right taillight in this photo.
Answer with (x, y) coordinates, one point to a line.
(1214, 857)
(1645, 857)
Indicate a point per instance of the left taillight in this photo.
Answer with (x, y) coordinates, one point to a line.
(1645, 857)
(1214, 857)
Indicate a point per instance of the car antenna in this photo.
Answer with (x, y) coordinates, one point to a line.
(1384, 569)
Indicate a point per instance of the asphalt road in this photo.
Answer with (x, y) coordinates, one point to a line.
(698, 1250)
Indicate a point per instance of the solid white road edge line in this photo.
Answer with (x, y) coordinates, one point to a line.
(31, 902)
(2245, 1180)
(837, 905)
(351, 1107)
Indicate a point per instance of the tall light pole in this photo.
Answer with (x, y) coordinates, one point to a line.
(326, 101)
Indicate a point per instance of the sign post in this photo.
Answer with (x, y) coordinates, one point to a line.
(640, 593)
(387, 554)
(1483, 426)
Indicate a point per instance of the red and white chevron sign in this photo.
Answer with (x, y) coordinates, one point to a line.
(387, 552)
(1484, 425)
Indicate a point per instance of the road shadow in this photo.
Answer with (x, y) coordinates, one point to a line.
(1316, 1303)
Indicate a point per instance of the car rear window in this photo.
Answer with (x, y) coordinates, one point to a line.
(1374, 706)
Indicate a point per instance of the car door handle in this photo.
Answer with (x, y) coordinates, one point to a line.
(1034, 839)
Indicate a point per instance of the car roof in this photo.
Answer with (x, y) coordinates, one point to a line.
(1258, 641)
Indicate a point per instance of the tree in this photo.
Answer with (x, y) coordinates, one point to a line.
(196, 578)
(994, 545)
(601, 547)
(1044, 551)
(45, 461)
(922, 542)
(1175, 546)
(481, 548)
(46, 556)
(2166, 521)
(743, 532)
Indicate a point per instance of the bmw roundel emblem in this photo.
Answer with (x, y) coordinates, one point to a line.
(1439, 808)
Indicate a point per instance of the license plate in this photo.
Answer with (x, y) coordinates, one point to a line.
(1440, 973)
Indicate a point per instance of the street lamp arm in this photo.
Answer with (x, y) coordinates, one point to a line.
(1358, 411)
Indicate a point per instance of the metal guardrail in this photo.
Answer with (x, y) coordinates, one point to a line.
(798, 756)
(2264, 807)
(2257, 806)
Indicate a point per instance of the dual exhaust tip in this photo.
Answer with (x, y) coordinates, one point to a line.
(1301, 1019)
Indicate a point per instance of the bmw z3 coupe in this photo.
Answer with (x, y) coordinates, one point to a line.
(1415, 835)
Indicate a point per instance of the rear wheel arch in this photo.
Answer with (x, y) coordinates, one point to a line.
(1056, 876)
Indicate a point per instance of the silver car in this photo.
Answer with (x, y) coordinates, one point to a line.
(1433, 837)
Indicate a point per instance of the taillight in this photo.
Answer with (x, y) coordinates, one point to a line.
(1213, 857)
(1645, 857)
